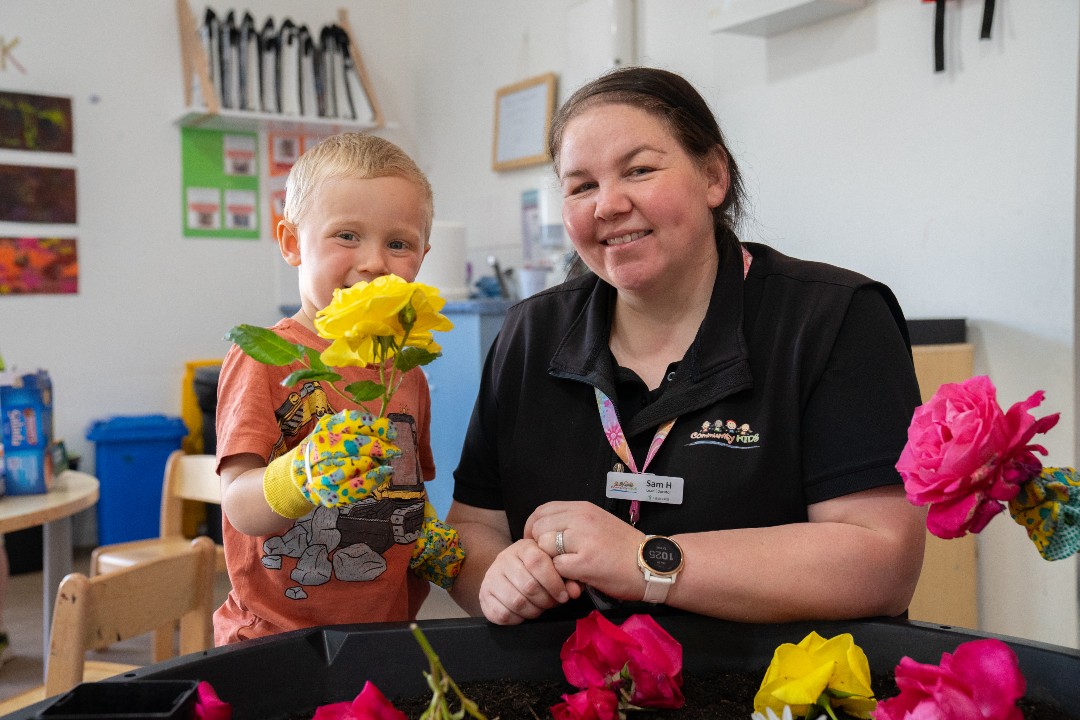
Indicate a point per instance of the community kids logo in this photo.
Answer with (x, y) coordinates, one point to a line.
(728, 433)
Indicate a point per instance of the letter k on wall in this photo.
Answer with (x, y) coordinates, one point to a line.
(6, 56)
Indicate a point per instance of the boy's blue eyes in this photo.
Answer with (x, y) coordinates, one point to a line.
(392, 244)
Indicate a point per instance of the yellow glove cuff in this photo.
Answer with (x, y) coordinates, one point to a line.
(280, 490)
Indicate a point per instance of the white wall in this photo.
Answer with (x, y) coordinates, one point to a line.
(148, 299)
(957, 189)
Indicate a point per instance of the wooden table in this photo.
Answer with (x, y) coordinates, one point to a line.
(71, 492)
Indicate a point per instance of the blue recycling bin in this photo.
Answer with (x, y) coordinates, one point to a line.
(129, 458)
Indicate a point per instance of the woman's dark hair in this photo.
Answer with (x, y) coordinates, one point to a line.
(674, 101)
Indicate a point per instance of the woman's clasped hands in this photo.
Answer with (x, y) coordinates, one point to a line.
(566, 547)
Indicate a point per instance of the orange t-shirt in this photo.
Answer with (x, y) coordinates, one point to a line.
(334, 565)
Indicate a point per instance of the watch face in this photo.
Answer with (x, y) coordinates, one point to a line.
(662, 555)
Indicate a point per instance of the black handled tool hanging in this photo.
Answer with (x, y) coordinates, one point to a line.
(939, 29)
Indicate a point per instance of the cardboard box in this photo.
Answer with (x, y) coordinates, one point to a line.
(26, 420)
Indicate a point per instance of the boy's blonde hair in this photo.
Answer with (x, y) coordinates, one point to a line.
(351, 155)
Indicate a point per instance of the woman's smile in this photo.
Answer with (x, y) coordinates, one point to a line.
(626, 238)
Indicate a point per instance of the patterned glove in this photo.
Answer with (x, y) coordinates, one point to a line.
(1048, 507)
(341, 462)
(437, 555)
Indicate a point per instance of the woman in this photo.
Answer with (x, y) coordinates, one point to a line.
(768, 399)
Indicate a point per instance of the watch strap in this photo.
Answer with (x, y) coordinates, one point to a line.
(657, 587)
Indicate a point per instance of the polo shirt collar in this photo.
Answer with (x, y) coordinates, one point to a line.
(715, 365)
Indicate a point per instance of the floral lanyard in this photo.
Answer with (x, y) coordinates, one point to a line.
(617, 439)
(613, 428)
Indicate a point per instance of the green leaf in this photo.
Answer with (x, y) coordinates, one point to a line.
(821, 706)
(309, 374)
(365, 390)
(314, 358)
(264, 345)
(412, 357)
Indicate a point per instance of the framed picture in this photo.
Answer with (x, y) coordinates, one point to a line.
(522, 119)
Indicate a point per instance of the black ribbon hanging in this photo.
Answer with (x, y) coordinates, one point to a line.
(939, 29)
(988, 20)
(939, 35)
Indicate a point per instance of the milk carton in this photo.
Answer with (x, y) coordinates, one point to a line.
(26, 407)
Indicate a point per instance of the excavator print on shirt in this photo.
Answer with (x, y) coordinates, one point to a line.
(347, 543)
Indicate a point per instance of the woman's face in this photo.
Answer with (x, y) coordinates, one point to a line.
(636, 206)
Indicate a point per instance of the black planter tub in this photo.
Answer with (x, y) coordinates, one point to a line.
(298, 671)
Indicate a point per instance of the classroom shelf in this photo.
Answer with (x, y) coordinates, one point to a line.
(772, 17)
(206, 111)
(250, 120)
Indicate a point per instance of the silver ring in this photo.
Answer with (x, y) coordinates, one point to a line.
(560, 549)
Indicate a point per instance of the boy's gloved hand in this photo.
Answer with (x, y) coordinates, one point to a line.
(1048, 507)
(437, 555)
(341, 462)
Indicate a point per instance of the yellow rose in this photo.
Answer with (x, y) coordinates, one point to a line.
(358, 315)
(800, 675)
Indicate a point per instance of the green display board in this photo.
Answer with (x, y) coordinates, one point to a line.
(220, 194)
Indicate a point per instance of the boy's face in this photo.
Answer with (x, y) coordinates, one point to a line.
(354, 230)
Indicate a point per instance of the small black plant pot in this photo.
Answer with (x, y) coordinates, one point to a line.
(298, 671)
(149, 699)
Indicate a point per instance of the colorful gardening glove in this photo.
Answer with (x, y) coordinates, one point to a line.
(437, 555)
(1048, 506)
(341, 462)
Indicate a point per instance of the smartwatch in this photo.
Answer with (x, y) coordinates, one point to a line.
(660, 559)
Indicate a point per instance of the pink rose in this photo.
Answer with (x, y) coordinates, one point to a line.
(591, 704)
(655, 666)
(638, 658)
(980, 681)
(965, 457)
(370, 704)
(595, 653)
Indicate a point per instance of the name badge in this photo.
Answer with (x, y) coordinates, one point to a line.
(645, 487)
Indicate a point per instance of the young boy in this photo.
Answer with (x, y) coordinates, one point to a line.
(356, 208)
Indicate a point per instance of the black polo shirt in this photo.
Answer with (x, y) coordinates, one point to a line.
(799, 388)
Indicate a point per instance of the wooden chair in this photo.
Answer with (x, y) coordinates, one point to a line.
(92, 613)
(187, 478)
